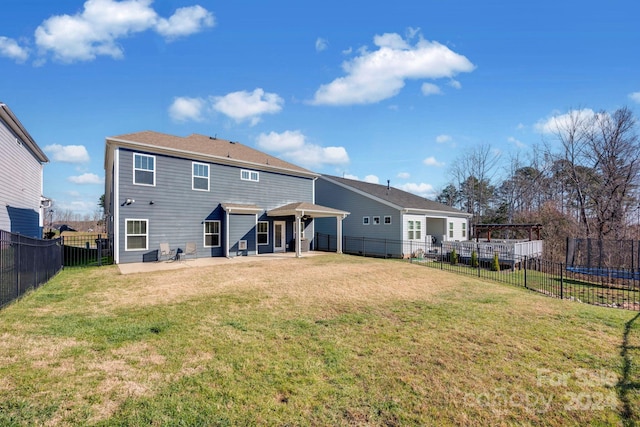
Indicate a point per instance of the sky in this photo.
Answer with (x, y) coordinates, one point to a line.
(374, 91)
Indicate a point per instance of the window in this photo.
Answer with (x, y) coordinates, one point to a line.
(451, 230)
(200, 179)
(387, 219)
(414, 230)
(211, 234)
(136, 237)
(464, 229)
(144, 169)
(365, 220)
(246, 175)
(263, 232)
(376, 220)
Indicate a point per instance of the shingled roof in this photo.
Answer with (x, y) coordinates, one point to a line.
(399, 198)
(224, 151)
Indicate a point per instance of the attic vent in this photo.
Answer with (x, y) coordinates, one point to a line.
(231, 142)
(213, 137)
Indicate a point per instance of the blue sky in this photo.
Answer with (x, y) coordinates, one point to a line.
(372, 90)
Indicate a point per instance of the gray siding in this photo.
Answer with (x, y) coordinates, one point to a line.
(338, 197)
(178, 212)
(242, 227)
(20, 186)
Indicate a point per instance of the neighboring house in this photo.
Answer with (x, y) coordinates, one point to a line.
(383, 212)
(21, 178)
(227, 198)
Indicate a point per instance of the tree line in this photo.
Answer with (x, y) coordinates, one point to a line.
(582, 182)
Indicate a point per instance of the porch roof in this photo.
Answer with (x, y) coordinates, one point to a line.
(300, 209)
(241, 208)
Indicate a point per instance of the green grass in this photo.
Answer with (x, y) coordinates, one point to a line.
(329, 340)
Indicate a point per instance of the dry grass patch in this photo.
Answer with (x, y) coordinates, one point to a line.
(328, 340)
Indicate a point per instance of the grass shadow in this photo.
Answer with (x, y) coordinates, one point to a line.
(626, 383)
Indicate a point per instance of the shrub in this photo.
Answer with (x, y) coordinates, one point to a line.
(474, 259)
(495, 264)
(454, 257)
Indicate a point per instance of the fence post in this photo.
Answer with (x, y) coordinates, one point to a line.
(478, 258)
(99, 243)
(561, 281)
(525, 272)
(441, 256)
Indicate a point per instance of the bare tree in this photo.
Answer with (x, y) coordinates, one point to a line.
(613, 153)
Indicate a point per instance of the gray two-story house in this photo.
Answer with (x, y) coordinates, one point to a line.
(22, 163)
(227, 198)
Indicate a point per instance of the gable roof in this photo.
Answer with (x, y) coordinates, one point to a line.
(394, 196)
(205, 148)
(12, 121)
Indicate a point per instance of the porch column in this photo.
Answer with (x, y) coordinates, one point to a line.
(298, 239)
(226, 233)
(339, 234)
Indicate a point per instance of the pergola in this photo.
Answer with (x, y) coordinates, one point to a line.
(488, 228)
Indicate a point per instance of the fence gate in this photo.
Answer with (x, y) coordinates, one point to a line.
(84, 250)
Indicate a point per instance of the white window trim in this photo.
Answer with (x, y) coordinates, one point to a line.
(385, 220)
(193, 176)
(267, 233)
(376, 222)
(126, 235)
(251, 175)
(366, 220)
(204, 233)
(155, 167)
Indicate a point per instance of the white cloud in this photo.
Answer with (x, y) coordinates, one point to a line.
(68, 153)
(184, 109)
(381, 74)
(244, 105)
(516, 142)
(372, 179)
(441, 139)
(349, 176)
(293, 146)
(96, 30)
(431, 161)
(430, 89)
(321, 44)
(422, 189)
(563, 121)
(404, 175)
(455, 84)
(635, 97)
(285, 141)
(86, 178)
(185, 21)
(11, 49)
(347, 51)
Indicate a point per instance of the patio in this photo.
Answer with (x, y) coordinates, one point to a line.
(148, 267)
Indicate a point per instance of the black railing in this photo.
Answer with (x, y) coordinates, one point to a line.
(619, 288)
(86, 250)
(26, 263)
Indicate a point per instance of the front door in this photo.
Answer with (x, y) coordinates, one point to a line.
(279, 236)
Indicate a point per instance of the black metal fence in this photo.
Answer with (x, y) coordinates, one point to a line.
(86, 249)
(610, 287)
(26, 263)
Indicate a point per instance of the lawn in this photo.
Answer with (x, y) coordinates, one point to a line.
(326, 340)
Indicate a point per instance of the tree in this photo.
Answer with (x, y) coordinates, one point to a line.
(449, 196)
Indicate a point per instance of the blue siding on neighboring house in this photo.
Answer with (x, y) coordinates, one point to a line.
(25, 222)
(178, 212)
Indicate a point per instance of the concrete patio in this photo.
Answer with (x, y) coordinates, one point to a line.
(147, 267)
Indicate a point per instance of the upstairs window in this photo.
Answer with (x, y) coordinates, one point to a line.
(376, 220)
(365, 220)
(200, 178)
(387, 219)
(247, 175)
(144, 169)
